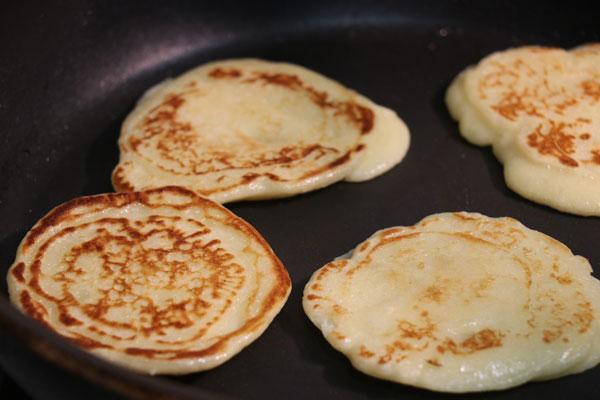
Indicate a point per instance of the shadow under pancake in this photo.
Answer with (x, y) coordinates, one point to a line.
(8, 250)
(102, 159)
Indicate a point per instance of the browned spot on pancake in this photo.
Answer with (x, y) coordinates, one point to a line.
(181, 354)
(564, 321)
(339, 309)
(363, 246)
(584, 120)
(334, 265)
(434, 362)
(316, 287)
(412, 337)
(334, 164)
(464, 217)
(591, 88)
(555, 142)
(481, 340)
(364, 352)
(220, 73)
(395, 238)
(360, 115)
(550, 336)
(119, 244)
(560, 107)
(471, 238)
(392, 231)
(387, 238)
(409, 330)
(120, 183)
(18, 271)
(281, 79)
(101, 332)
(338, 335)
(273, 177)
(249, 177)
(526, 269)
(583, 319)
(162, 120)
(512, 104)
(342, 160)
(397, 346)
(596, 156)
(562, 279)
(433, 293)
(88, 343)
(313, 297)
(482, 285)
(68, 319)
(32, 308)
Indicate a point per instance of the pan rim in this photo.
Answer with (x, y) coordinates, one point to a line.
(60, 352)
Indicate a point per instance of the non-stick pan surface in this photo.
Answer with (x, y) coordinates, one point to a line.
(70, 72)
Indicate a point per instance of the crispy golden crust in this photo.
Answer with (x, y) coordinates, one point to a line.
(168, 250)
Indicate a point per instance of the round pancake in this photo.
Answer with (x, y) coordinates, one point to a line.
(540, 110)
(460, 302)
(161, 281)
(253, 129)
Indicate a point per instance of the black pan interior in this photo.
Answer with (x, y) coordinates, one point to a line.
(70, 73)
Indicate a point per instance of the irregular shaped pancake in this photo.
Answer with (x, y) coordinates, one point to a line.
(161, 281)
(540, 110)
(460, 302)
(252, 129)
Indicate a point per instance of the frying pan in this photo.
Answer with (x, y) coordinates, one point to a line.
(71, 71)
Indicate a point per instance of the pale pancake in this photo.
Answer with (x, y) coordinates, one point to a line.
(253, 129)
(460, 302)
(161, 281)
(540, 110)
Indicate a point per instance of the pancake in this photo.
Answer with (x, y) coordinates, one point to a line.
(161, 281)
(539, 108)
(460, 302)
(252, 129)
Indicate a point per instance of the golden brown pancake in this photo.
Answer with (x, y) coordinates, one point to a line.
(253, 129)
(540, 110)
(460, 302)
(161, 281)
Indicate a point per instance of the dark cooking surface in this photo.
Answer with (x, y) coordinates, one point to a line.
(9, 389)
(70, 73)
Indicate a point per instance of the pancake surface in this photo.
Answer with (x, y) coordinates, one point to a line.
(540, 110)
(161, 281)
(460, 302)
(253, 129)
